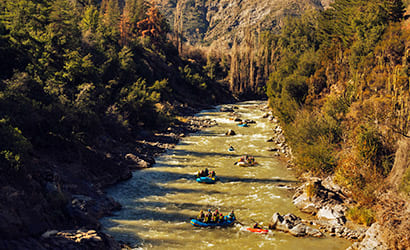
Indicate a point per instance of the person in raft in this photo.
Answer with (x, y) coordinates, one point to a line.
(257, 226)
(211, 217)
(201, 216)
(205, 173)
(231, 215)
(231, 148)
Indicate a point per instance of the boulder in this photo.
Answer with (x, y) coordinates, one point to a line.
(237, 119)
(230, 132)
(49, 233)
(276, 219)
(249, 121)
(226, 109)
(298, 230)
(304, 203)
(313, 232)
(292, 224)
(332, 213)
(136, 162)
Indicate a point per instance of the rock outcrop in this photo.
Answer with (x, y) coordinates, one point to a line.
(292, 224)
(281, 147)
(314, 198)
(222, 21)
(373, 240)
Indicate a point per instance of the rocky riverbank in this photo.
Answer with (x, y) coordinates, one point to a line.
(58, 203)
(325, 200)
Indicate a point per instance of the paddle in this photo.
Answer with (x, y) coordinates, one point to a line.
(240, 223)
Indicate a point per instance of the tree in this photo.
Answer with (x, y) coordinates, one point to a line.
(154, 25)
(110, 20)
(133, 12)
(395, 10)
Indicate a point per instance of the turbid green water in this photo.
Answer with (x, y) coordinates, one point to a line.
(158, 202)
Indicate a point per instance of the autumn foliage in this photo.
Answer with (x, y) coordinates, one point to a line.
(340, 86)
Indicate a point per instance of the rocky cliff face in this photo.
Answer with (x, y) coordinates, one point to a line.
(222, 21)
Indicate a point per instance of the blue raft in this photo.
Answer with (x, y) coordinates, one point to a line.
(243, 125)
(227, 222)
(207, 180)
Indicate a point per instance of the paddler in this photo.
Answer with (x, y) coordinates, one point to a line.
(201, 215)
(257, 226)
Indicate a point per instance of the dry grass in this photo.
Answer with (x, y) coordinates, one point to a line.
(393, 209)
(393, 213)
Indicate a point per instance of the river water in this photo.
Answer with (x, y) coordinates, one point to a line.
(158, 202)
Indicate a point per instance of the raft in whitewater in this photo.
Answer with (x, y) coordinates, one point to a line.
(207, 179)
(227, 222)
(243, 125)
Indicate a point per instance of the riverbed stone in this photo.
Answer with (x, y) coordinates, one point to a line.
(49, 233)
(249, 121)
(226, 109)
(298, 230)
(134, 162)
(335, 214)
(313, 232)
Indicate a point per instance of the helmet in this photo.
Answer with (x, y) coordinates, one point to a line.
(209, 210)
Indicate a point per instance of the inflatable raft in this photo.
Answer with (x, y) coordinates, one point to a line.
(227, 222)
(207, 180)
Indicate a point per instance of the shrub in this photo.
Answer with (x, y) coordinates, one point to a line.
(405, 184)
(13, 147)
(312, 136)
(361, 215)
(311, 189)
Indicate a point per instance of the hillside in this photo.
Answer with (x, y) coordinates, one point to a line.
(88, 92)
(219, 22)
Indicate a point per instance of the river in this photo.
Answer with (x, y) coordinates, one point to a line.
(158, 202)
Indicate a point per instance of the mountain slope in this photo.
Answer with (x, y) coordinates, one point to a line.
(220, 21)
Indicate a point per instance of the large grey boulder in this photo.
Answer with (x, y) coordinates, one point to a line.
(292, 224)
(305, 204)
(298, 230)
